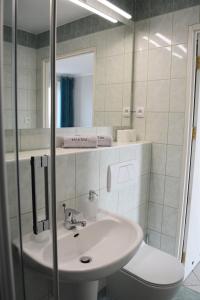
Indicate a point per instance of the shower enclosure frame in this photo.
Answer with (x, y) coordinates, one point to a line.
(7, 291)
(185, 199)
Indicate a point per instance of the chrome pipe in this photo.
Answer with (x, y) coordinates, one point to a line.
(7, 287)
(53, 15)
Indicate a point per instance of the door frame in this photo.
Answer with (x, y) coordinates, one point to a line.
(187, 146)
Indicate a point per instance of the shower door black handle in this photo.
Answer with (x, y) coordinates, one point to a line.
(40, 162)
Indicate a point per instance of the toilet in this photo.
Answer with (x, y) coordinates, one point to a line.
(150, 275)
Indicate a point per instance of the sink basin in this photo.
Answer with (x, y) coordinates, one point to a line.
(107, 243)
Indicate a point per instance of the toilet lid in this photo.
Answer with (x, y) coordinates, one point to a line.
(155, 267)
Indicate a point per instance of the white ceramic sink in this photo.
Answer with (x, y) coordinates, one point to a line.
(110, 242)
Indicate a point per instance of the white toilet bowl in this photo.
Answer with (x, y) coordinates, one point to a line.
(150, 275)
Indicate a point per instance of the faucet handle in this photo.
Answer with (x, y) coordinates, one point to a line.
(70, 212)
(92, 195)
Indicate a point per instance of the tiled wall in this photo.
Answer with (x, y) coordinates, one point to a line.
(113, 73)
(26, 87)
(78, 173)
(160, 66)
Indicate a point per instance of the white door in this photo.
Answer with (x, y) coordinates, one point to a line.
(192, 236)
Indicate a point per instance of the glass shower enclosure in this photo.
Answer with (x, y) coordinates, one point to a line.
(37, 215)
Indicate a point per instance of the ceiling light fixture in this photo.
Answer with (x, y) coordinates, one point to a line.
(116, 9)
(94, 10)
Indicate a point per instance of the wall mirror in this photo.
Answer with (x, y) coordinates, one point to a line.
(94, 65)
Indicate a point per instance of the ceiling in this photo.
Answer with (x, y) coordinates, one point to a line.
(33, 15)
(79, 65)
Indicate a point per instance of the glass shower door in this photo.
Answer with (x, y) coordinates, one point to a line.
(29, 155)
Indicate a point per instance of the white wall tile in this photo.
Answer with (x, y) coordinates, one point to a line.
(168, 244)
(174, 160)
(139, 215)
(158, 95)
(179, 62)
(140, 65)
(108, 201)
(65, 177)
(98, 40)
(178, 95)
(157, 127)
(127, 94)
(115, 69)
(99, 99)
(140, 125)
(100, 74)
(159, 157)
(154, 238)
(159, 63)
(107, 157)
(144, 158)
(176, 128)
(129, 38)
(129, 153)
(115, 41)
(161, 25)
(157, 188)
(114, 97)
(169, 224)
(155, 216)
(141, 31)
(87, 172)
(99, 118)
(128, 67)
(113, 118)
(172, 191)
(139, 94)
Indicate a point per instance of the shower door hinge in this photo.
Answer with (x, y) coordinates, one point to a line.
(183, 257)
(198, 62)
(194, 133)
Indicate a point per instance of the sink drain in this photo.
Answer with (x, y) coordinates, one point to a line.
(85, 259)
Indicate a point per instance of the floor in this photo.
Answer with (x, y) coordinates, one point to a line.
(193, 280)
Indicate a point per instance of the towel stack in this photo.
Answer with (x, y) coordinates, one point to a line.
(83, 141)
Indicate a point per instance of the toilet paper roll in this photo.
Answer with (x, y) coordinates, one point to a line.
(126, 136)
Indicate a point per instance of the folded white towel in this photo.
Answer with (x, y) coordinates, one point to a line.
(80, 141)
(104, 141)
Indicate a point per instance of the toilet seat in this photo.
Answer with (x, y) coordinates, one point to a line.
(148, 265)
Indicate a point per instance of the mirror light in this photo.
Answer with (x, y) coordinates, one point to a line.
(164, 38)
(93, 10)
(116, 9)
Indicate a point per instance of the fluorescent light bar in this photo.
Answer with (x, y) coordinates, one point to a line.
(94, 10)
(116, 9)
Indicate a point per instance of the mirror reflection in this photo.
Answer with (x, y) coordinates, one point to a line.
(94, 59)
(75, 77)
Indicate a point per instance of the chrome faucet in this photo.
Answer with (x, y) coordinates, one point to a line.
(70, 220)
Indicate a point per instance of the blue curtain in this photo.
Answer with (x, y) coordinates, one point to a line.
(66, 103)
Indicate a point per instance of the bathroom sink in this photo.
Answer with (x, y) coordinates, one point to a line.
(86, 253)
